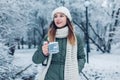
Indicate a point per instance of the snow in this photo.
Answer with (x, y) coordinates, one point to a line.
(102, 66)
(18, 18)
(105, 66)
(23, 57)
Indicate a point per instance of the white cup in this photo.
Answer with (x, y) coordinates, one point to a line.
(53, 47)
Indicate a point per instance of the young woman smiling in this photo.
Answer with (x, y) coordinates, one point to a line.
(70, 60)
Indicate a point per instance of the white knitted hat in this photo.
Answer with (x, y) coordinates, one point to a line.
(63, 10)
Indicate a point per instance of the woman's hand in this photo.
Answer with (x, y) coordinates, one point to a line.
(45, 49)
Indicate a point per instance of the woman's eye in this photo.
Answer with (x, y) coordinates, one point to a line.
(55, 16)
(61, 15)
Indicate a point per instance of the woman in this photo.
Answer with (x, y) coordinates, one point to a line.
(70, 60)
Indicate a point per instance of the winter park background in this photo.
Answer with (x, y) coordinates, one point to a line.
(23, 24)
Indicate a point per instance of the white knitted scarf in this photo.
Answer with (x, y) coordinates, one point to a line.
(71, 64)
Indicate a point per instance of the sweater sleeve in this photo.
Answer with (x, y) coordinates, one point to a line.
(80, 54)
(38, 57)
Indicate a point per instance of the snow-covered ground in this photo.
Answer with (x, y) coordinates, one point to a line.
(23, 57)
(101, 66)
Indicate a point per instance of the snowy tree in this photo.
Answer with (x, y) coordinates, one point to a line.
(12, 21)
(7, 69)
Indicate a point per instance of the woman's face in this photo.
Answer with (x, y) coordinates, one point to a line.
(60, 20)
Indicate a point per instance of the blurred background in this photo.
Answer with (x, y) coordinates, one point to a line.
(24, 23)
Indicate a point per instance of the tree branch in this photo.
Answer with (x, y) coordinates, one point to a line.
(83, 29)
(22, 71)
